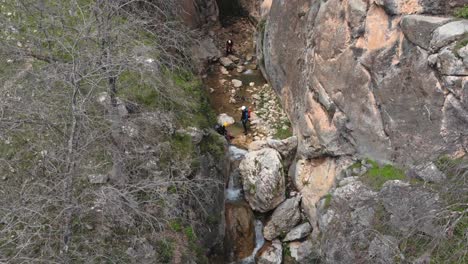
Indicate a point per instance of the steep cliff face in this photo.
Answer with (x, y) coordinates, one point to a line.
(376, 78)
(197, 13)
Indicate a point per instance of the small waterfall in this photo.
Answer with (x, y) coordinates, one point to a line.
(233, 192)
(259, 242)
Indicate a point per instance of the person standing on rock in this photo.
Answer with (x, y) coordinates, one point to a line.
(245, 118)
(229, 45)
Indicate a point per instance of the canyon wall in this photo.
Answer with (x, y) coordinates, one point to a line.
(384, 79)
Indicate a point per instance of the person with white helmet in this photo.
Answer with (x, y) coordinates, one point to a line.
(245, 118)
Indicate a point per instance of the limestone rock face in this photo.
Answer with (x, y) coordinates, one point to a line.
(263, 179)
(369, 77)
(284, 218)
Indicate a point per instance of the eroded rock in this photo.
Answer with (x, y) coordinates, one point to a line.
(240, 231)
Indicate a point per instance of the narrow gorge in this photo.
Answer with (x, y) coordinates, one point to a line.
(376, 93)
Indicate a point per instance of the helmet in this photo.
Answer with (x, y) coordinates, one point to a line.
(243, 107)
(225, 124)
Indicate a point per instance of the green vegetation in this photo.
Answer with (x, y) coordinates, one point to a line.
(165, 249)
(327, 202)
(378, 175)
(213, 144)
(282, 133)
(462, 12)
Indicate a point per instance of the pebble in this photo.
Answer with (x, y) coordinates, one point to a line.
(224, 70)
(252, 84)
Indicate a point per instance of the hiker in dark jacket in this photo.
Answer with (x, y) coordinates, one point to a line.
(245, 118)
(229, 45)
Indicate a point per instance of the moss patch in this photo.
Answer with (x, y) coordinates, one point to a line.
(377, 175)
(462, 12)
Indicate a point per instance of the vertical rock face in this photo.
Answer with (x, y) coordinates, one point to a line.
(196, 13)
(375, 78)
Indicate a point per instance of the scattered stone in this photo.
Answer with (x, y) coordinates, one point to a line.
(252, 66)
(284, 218)
(263, 179)
(224, 70)
(4, 178)
(226, 62)
(240, 69)
(271, 253)
(252, 84)
(249, 57)
(98, 178)
(211, 90)
(89, 227)
(232, 100)
(222, 81)
(224, 118)
(236, 83)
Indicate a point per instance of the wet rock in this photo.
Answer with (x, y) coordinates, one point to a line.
(263, 179)
(98, 178)
(418, 28)
(234, 58)
(253, 66)
(271, 253)
(237, 153)
(226, 62)
(284, 218)
(240, 69)
(298, 232)
(448, 33)
(224, 118)
(427, 172)
(236, 83)
(240, 231)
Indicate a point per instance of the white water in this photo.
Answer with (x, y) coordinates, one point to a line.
(232, 192)
(259, 241)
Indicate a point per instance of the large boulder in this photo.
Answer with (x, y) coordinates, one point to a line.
(240, 231)
(271, 253)
(263, 179)
(284, 218)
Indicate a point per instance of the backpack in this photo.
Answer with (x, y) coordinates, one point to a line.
(248, 112)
